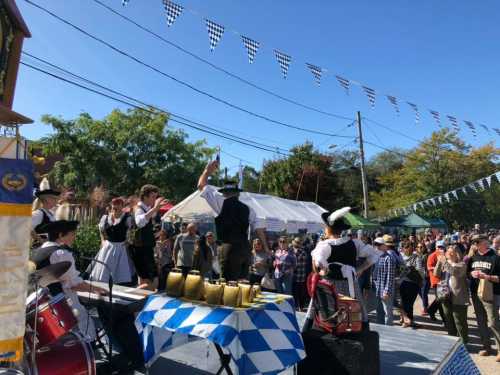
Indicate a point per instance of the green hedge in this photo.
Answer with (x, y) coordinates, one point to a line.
(87, 244)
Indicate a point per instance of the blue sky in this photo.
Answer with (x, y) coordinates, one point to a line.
(441, 55)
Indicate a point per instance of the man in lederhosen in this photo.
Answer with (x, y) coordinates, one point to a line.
(232, 224)
(43, 212)
(335, 257)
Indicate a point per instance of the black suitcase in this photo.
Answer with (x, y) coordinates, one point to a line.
(349, 354)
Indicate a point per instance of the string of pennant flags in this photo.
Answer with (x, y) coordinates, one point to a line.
(215, 32)
(476, 186)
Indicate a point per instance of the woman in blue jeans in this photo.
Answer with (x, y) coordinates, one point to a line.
(284, 267)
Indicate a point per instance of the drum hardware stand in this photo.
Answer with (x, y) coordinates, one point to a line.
(110, 287)
(35, 279)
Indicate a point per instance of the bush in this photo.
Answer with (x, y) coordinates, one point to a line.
(87, 244)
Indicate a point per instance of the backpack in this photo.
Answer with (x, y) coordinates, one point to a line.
(333, 312)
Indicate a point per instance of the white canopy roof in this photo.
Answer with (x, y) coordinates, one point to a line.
(279, 214)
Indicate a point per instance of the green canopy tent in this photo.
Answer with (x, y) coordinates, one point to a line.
(414, 221)
(359, 222)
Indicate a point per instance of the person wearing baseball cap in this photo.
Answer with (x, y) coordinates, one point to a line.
(385, 283)
(485, 265)
(431, 265)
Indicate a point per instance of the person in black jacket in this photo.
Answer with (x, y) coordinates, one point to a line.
(232, 223)
(485, 264)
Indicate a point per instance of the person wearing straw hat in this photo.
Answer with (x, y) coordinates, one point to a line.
(335, 256)
(43, 207)
(232, 223)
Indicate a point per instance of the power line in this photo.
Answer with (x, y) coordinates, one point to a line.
(243, 80)
(183, 83)
(143, 103)
(390, 129)
(150, 110)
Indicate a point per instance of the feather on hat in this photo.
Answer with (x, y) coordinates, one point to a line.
(336, 219)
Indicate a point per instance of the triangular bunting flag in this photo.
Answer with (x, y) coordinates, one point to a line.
(125, 2)
(440, 199)
(414, 207)
(480, 182)
(215, 32)
(436, 116)
(316, 72)
(471, 127)
(488, 180)
(370, 93)
(284, 60)
(485, 127)
(497, 131)
(447, 197)
(473, 187)
(345, 83)
(415, 109)
(173, 11)
(454, 122)
(433, 200)
(252, 47)
(394, 101)
(464, 190)
(455, 194)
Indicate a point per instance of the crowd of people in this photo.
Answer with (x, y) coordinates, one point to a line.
(138, 249)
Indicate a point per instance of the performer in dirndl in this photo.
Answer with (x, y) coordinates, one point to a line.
(335, 257)
(43, 211)
(113, 227)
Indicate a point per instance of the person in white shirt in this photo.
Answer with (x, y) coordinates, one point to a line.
(142, 249)
(232, 223)
(43, 212)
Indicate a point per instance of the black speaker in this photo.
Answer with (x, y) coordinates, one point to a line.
(349, 354)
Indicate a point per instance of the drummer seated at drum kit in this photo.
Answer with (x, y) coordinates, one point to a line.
(61, 236)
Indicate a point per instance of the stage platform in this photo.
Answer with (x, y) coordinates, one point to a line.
(402, 351)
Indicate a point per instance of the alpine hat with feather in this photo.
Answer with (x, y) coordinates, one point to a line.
(336, 219)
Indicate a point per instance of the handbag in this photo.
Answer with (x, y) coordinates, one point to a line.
(443, 290)
(485, 291)
(267, 282)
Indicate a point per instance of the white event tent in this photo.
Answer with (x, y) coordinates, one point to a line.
(279, 214)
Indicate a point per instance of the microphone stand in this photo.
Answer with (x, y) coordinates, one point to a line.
(110, 286)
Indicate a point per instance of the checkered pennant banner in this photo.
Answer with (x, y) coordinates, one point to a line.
(370, 93)
(344, 83)
(252, 47)
(453, 122)
(394, 101)
(464, 190)
(455, 194)
(488, 180)
(471, 126)
(284, 60)
(473, 186)
(316, 72)
(436, 116)
(125, 2)
(173, 11)
(485, 127)
(415, 109)
(215, 32)
(497, 131)
(480, 182)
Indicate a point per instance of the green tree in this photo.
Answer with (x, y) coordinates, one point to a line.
(123, 151)
(439, 164)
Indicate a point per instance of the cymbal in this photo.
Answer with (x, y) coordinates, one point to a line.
(42, 253)
(50, 274)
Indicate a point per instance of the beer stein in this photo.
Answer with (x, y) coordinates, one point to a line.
(175, 283)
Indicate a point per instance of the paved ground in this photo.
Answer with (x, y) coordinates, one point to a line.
(486, 365)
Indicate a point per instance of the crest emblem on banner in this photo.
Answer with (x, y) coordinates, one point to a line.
(14, 182)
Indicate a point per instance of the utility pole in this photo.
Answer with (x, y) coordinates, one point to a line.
(363, 174)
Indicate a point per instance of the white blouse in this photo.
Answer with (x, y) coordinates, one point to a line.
(323, 250)
(71, 277)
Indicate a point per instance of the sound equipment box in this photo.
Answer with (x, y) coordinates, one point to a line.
(349, 354)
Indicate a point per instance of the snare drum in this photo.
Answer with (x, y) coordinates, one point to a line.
(69, 355)
(55, 318)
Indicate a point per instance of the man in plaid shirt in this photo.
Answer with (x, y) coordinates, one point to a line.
(300, 274)
(384, 279)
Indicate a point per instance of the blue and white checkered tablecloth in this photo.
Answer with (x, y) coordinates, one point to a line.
(460, 362)
(264, 340)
